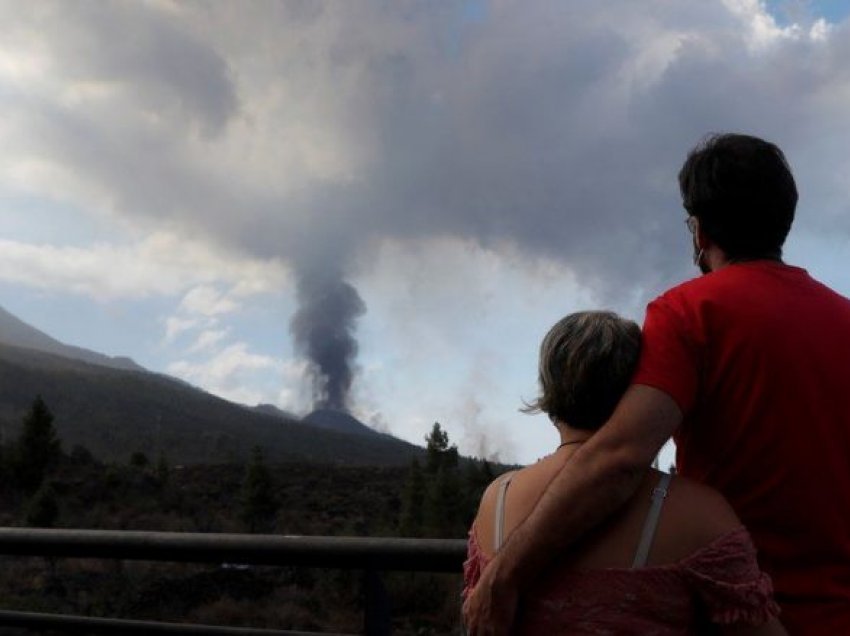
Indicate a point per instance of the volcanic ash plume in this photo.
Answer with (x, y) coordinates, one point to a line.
(323, 329)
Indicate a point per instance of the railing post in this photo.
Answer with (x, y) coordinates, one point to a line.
(376, 621)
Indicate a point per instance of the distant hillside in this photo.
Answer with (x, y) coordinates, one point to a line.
(17, 333)
(323, 418)
(338, 421)
(116, 412)
(271, 409)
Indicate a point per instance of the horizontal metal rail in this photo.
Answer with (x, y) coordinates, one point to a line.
(89, 625)
(345, 553)
(370, 554)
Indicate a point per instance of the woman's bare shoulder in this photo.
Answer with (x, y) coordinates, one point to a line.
(700, 512)
(526, 486)
(483, 524)
(488, 499)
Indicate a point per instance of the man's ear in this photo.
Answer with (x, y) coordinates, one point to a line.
(703, 242)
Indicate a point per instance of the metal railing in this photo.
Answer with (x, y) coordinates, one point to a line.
(372, 555)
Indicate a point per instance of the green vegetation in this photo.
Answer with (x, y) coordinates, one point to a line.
(77, 490)
(37, 450)
(42, 510)
(413, 501)
(441, 500)
(259, 504)
(139, 460)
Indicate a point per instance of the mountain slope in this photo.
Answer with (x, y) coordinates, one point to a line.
(341, 421)
(15, 332)
(115, 412)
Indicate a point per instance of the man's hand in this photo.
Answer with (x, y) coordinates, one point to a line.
(491, 607)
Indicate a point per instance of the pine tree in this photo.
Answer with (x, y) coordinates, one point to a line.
(444, 498)
(258, 501)
(439, 452)
(37, 449)
(444, 504)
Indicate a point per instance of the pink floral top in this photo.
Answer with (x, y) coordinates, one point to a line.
(719, 583)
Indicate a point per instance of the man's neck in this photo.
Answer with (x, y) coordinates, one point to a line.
(717, 260)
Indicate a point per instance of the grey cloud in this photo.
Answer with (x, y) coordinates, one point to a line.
(492, 137)
(532, 123)
(134, 47)
(514, 126)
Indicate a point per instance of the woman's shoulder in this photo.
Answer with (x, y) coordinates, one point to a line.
(487, 505)
(695, 515)
(705, 506)
(526, 484)
(522, 477)
(482, 533)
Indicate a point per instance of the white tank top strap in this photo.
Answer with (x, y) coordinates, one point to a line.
(499, 517)
(659, 493)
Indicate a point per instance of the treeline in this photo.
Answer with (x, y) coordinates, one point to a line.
(34, 468)
(441, 498)
(42, 485)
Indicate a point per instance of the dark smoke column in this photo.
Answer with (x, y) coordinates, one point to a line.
(323, 328)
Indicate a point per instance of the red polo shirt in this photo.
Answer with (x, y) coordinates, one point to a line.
(757, 356)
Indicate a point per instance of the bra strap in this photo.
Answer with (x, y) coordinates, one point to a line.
(659, 493)
(499, 518)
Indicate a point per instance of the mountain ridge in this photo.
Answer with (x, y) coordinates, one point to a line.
(336, 420)
(17, 333)
(115, 411)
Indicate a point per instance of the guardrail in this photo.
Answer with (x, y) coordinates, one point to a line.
(372, 555)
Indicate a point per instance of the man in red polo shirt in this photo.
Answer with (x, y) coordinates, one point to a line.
(748, 367)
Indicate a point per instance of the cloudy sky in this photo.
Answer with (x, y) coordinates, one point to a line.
(221, 189)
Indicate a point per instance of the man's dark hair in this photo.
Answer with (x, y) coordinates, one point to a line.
(743, 193)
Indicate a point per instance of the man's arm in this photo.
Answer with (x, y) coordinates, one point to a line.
(596, 481)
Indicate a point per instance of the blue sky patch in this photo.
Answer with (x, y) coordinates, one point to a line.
(786, 12)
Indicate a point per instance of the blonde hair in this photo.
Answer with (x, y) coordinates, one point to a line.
(586, 362)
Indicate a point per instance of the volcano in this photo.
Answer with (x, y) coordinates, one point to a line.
(338, 421)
